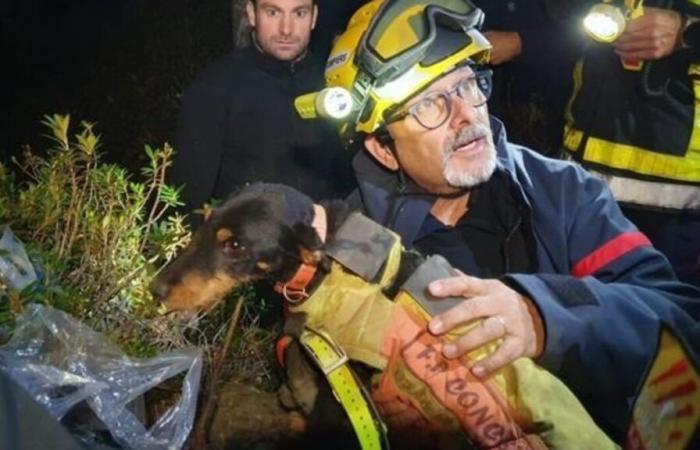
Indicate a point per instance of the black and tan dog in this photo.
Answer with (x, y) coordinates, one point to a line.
(378, 313)
(266, 232)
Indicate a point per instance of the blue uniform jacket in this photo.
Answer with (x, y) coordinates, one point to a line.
(602, 290)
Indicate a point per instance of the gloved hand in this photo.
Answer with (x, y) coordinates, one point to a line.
(506, 314)
(652, 36)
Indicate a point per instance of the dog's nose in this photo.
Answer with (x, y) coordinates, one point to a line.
(159, 290)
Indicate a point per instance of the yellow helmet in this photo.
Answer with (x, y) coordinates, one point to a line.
(390, 51)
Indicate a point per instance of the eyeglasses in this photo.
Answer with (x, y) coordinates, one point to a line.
(434, 110)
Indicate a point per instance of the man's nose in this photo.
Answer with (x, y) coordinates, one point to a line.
(286, 25)
(463, 112)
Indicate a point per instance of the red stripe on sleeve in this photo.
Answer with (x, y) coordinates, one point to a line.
(608, 252)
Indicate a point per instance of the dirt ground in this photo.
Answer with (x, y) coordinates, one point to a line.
(248, 418)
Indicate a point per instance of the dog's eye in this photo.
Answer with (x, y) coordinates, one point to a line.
(233, 247)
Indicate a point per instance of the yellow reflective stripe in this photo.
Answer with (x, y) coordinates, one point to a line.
(331, 359)
(694, 72)
(572, 138)
(645, 162)
(640, 160)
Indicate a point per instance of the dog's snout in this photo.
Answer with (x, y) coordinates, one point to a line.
(159, 289)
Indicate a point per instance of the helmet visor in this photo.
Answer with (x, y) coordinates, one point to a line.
(405, 31)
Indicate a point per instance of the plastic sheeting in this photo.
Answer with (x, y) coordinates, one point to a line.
(16, 271)
(61, 362)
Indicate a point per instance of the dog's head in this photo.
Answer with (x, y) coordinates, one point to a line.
(264, 231)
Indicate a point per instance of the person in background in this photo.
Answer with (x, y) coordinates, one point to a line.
(532, 57)
(238, 124)
(636, 125)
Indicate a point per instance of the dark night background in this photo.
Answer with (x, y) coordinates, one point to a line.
(120, 63)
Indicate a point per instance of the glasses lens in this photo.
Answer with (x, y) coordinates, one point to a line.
(483, 79)
(432, 111)
(475, 90)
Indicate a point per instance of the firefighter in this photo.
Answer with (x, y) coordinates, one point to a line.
(550, 265)
(633, 121)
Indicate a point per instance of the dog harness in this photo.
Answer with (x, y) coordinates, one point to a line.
(349, 317)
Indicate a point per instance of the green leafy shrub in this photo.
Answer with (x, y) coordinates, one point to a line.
(96, 235)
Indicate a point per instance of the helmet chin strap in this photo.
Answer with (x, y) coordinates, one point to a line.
(406, 187)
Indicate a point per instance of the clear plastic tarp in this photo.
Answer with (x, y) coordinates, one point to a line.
(62, 362)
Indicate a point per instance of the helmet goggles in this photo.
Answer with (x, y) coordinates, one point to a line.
(400, 36)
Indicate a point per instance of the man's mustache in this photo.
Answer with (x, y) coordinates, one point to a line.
(467, 135)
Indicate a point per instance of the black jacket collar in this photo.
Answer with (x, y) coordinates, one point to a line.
(274, 66)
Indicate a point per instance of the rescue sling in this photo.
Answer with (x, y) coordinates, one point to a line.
(349, 317)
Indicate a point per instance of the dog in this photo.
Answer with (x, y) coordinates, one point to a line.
(265, 232)
(273, 233)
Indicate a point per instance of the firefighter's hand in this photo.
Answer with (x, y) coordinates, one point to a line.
(504, 313)
(507, 46)
(652, 36)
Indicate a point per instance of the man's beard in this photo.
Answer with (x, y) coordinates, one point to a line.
(481, 170)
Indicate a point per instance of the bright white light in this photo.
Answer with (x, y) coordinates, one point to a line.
(601, 25)
(334, 102)
(604, 22)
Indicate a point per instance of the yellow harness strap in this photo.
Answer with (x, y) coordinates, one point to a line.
(332, 360)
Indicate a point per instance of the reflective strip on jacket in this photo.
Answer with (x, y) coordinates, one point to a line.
(637, 126)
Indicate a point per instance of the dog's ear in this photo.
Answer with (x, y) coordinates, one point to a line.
(309, 244)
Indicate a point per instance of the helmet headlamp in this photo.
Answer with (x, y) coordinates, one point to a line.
(332, 102)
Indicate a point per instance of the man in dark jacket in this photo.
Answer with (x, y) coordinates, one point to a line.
(636, 125)
(550, 265)
(238, 123)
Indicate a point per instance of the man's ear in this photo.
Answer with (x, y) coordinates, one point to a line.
(314, 11)
(250, 12)
(382, 152)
